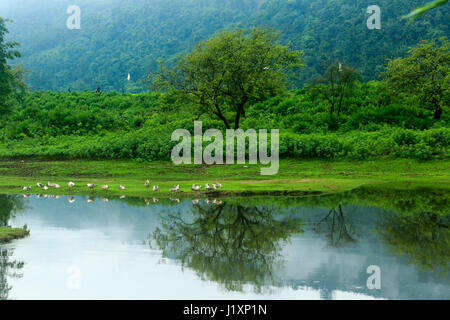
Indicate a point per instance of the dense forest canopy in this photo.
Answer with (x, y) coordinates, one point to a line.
(121, 37)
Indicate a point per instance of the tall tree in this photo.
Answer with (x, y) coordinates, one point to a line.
(227, 73)
(8, 76)
(424, 74)
(336, 84)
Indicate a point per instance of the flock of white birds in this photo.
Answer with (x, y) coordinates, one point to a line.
(176, 188)
(71, 184)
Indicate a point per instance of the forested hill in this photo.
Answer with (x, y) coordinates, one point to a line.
(120, 37)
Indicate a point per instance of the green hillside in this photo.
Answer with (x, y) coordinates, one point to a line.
(121, 37)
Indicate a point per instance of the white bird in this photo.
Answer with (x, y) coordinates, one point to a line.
(147, 183)
(175, 200)
(105, 187)
(217, 185)
(45, 188)
(51, 184)
(71, 184)
(176, 188)
(90, 185)
(196, 188)
(27, 188)
(71, 200)
(121, 187)
(39, 185)
(155, 200)
(155, 188)
(208, 187)
(122, 197)
(57, 186)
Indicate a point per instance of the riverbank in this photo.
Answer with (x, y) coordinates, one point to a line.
(9, 234)
(295, 177)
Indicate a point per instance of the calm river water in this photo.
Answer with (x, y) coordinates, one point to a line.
(351, 246)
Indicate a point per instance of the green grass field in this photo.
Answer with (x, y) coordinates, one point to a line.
(294, 177)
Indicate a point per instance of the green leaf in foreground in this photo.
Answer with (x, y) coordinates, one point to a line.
(422, 10)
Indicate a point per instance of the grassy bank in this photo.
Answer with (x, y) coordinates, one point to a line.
(294, 177)
(9, 234)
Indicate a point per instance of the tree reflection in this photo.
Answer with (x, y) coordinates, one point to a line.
(8, 269)
(424, 237)
(337, 229)
(227, 243)
(9, 204)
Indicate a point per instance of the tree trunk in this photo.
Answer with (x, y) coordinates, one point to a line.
(221, 117)
(437, 112)
(240, 110)
(331, 109)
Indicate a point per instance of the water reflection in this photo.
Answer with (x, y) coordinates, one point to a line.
(337, 229)
(313, 247)
(9, 205)
(231, 244)
(8, 269)
(423, 237)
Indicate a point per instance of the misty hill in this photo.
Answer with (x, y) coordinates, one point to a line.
(121, 37)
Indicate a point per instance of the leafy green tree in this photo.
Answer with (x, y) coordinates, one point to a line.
(424, 75)
(8, 76)
(335, 84)
(231, 71)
